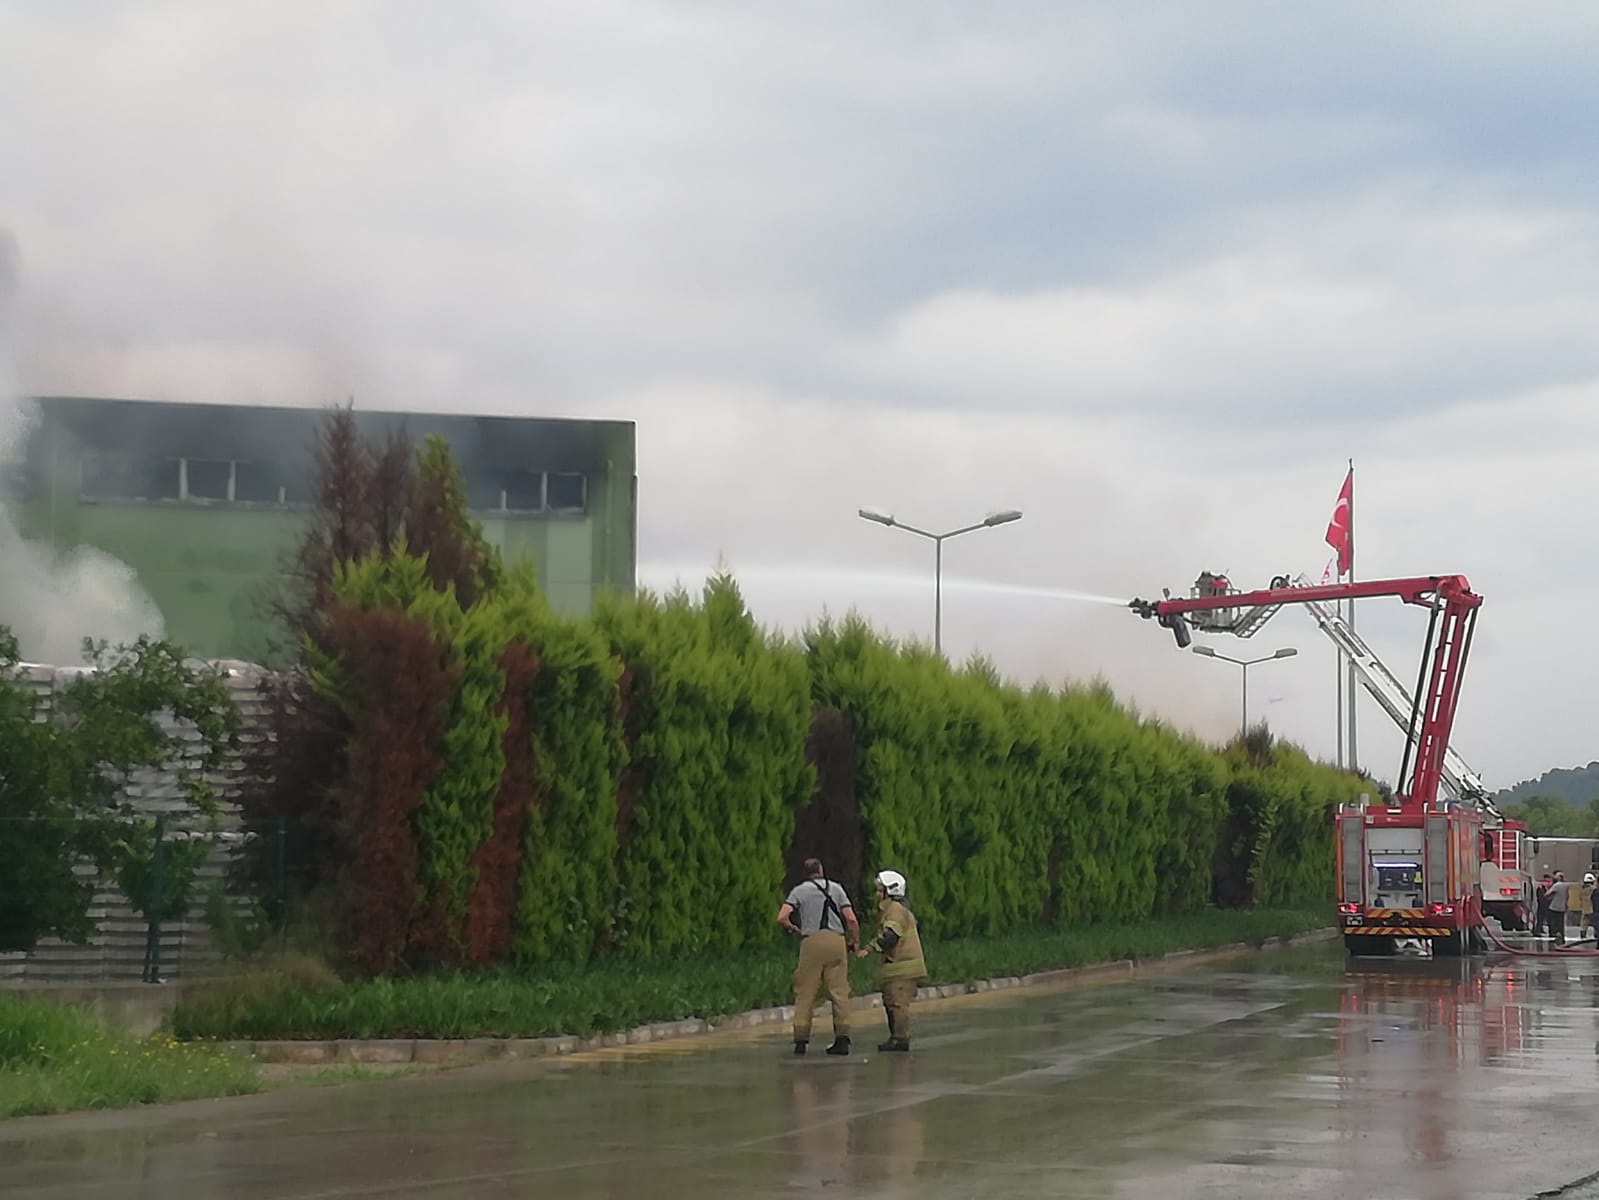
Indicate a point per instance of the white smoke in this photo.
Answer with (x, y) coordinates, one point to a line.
(52, 601)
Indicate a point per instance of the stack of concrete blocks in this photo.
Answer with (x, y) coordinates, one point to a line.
(116, 951)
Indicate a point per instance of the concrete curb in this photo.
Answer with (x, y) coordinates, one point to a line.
(463, 1051)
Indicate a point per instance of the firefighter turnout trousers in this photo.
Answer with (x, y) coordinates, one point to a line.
(823, 959)
(897, 997)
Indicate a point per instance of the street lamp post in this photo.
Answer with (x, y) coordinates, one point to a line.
(888, 521)
(1245, 663)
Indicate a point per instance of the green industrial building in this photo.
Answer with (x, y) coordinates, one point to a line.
(203, 501)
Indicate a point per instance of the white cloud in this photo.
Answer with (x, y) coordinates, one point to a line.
(1304, 313)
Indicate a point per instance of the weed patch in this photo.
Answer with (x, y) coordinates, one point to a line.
(56, 1058)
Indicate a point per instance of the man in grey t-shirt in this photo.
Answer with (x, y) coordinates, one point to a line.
(1558, 903)
(819, 912)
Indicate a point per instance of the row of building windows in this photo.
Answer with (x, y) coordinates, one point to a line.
(529, 492)
(241, 481)
(189, 479)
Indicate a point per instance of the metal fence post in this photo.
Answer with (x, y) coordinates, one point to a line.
(280, 877)
(157, 885)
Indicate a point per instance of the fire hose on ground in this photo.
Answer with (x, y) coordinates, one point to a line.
(1577, 949)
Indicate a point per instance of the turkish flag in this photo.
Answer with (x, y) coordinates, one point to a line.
(1338, 532)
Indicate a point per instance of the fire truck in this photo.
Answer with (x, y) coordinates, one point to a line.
(1507, 851)
(1416, 866)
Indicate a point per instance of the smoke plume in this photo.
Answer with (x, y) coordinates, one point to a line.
(52, 600)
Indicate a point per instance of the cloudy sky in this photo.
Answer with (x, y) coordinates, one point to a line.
(1151, 273)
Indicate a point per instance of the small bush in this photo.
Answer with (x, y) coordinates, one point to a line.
(237, 931)
(281, 978)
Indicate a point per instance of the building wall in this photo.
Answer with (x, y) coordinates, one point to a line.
(212, 567)
(209, 571)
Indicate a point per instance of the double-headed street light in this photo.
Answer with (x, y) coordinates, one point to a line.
(1245, 663)
(988, 522)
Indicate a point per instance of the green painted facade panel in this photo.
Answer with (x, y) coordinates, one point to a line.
(211, 573)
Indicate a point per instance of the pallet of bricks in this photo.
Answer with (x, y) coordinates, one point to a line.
(117, 950)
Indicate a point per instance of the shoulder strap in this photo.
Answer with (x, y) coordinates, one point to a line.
(829, 906)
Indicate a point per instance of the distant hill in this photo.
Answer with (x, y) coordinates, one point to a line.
(1576, 785)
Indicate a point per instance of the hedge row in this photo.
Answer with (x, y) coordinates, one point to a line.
(1007, 806)
(529, 788)
(474, 780)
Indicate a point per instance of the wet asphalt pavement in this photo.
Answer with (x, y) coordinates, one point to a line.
(1282, 1075)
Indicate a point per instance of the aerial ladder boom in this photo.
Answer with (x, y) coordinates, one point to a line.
(1393, 697)
(1217, 608)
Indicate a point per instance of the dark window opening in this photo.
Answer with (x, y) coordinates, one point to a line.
(209, 479)
(129, 479)
(296, 486)
(483, 494)
(255, 482)
(524, 491)
(567, 493)
(1399, 877)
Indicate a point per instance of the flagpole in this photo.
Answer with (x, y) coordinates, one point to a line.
(1354, 757)
(1338, 664)
(1340, 536)
(1338, 708)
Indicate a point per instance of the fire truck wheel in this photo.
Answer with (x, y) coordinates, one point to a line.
(1451, 945)
(1368, 945)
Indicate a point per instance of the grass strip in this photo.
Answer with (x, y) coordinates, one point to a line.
(271, 1002)
(59, 1058)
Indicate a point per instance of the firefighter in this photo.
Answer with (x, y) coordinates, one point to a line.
(1559, 901)
(902, 966)
(1586, 927)
(819, 912)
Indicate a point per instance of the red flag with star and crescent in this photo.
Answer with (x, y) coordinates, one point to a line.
(1338, 528)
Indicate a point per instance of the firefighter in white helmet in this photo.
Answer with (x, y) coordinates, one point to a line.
(901, 967)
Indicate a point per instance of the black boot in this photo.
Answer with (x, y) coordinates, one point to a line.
(840, 1044)
(895, 1044)
(799, 1045)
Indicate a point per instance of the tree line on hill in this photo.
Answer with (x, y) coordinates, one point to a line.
(1575, 785)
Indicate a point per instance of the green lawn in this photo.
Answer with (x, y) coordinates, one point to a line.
(57, 1058)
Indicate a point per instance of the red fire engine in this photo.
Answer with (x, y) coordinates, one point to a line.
(1411, 868)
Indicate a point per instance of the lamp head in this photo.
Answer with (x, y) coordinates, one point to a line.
(877, 515)
(1004, 517)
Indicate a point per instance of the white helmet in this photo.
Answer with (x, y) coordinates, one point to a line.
(892, 883)
(1588, 878)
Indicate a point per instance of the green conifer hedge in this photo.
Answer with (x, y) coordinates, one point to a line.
(514, 785)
